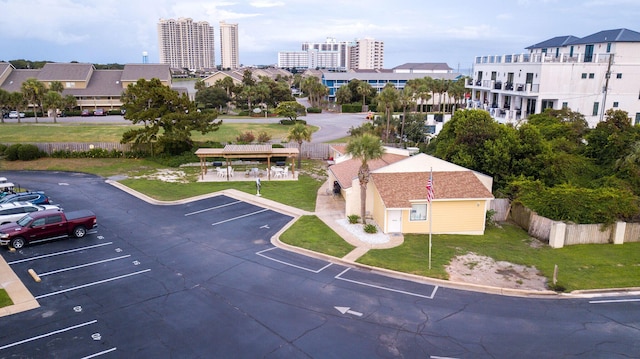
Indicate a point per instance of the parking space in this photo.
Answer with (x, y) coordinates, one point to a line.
(352, 277)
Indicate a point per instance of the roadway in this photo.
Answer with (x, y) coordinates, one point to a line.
(202, 279)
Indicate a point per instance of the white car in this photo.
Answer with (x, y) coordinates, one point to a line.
(16, 114)
(11, 212)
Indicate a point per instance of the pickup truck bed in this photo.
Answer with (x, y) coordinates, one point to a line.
(47, 225)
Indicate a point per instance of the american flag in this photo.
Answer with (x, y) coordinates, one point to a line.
(430, 188)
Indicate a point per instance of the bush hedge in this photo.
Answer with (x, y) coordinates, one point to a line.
(352, 108)
(577, 204)
(29, 152)
(11, 153)
(314, 110)
(292, 122)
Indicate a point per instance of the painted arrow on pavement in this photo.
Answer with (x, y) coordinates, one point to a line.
(347, 310)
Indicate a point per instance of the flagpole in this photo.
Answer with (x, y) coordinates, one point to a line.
(430, 215)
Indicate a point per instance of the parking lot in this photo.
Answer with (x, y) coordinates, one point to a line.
(202, 279)
(148, 273)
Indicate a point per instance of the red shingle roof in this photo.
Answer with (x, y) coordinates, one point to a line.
(346, 171)
(398, 189)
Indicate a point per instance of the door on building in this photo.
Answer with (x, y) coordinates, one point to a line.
(588, 53)
(531, 106)
(394, 219)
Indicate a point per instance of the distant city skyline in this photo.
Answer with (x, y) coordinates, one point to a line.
(116, 31)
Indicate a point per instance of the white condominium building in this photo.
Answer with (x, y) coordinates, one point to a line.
(589, 75)
(229, 47)
(367, 54)
(183, 43)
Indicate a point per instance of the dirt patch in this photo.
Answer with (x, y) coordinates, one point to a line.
(167, 176)
(476, 269)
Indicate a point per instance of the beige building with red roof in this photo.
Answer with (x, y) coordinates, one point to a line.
(397, 194)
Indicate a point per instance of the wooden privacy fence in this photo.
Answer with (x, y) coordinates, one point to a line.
(560, 234)
(51, 147)
(309, 150)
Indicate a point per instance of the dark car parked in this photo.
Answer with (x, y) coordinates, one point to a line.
(99, 112)
(34, 197)
(85, 113)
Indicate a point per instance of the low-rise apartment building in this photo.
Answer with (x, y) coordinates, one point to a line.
(589, 75)
(92, 88)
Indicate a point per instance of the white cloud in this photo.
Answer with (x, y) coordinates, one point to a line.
(265, 3)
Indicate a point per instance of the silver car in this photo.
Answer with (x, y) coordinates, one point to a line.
(13, 211)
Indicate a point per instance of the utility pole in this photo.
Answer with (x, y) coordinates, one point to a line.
(606, 87)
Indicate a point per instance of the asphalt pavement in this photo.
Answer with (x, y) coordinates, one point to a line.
(202, 278)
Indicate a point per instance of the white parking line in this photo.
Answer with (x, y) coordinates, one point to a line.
(82, 265)
(212, 208)
(48, 334)
(433, 293)
(99, 353)
(92, 284)
(290, 264)
(59, 253)
(613, 301)
(244, 215)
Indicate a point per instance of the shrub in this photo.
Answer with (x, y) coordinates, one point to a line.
(246, 137)
(314, 110)
(353, 218)
(3, 147)
(352, 108)
(292, 122)
(176, 161)
(11, 152)
(489, 221)
(263, 137)
(370, 228)
(29, 152)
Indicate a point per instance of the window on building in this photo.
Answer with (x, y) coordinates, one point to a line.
(592, 75)
(637, 118)
(618, 76)
(595, 109)
(615, 104)
(608, 47)
(584, 75)
(418, 212)
(565, 105)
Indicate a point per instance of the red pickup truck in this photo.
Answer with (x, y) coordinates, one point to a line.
(46, 225)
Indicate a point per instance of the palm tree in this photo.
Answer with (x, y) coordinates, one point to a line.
(406, 100)
(366, 147)
(299, 133)
(17, 101)
(56, 86)
(52, 100)
(388, 98)
(363, 89)
(33, 90)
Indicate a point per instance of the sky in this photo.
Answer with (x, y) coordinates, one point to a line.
(454, 32)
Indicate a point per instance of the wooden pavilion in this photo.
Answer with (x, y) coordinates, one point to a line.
(230, 152)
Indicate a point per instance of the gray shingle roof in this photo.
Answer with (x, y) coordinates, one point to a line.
(431, 66)
(17, 77)
(102, 83)
(558, 41)
(135, 72)
(65, 72)
(616, 35)
(389, 76)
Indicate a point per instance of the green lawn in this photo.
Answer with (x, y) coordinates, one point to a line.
(311, 233)
(580, 267)
(86, 132)
(300, 194)
(4, 299)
